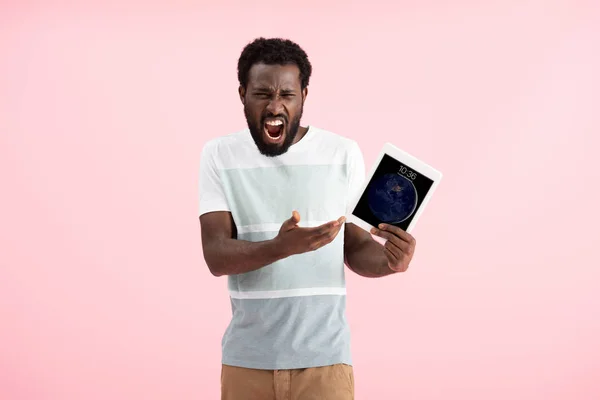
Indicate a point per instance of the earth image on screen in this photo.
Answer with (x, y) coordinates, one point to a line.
(392, 198)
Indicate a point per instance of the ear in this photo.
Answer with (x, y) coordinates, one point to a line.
(242, 93)
(304, 94)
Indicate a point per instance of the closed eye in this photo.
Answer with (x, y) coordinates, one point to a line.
(264, 95)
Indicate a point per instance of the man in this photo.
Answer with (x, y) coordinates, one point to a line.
(272, 204)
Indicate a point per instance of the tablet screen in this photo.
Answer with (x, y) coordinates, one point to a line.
(393, 195)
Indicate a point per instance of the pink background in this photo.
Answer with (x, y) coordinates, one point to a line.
(104, 109)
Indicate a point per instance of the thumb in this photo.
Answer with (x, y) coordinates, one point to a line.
(295, 217)
(291, 223)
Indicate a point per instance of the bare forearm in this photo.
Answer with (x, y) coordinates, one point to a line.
(369, 260)
(232, 256)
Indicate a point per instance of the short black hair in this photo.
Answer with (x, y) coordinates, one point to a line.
(275, 51)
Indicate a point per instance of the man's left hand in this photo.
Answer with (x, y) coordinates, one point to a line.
(399, 246)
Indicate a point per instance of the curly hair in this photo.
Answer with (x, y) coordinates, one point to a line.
(274, 51)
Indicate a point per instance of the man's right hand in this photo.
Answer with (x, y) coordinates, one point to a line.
(296, 240)
(226, 255)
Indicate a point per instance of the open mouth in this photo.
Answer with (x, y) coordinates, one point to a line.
(274, 129)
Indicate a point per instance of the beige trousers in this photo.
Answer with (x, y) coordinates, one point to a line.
(334, 382)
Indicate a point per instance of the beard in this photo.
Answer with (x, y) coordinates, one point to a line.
(269, 149)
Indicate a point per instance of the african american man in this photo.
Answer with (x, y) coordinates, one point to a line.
(272, 202)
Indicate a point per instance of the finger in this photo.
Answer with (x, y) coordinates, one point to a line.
(335, 232)
(317, 231)
(329, 226)
(405, 236)
(393, 263)
(324, 229)
(399, 243)
(326, 237)
(291, 222)
(396, 252)
(390, 256)
(295, 216)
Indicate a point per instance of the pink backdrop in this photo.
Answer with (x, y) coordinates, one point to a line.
(103, 112)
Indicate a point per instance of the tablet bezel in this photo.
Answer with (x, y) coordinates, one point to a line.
(411, 162)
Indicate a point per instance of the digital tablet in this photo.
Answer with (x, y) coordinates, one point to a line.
(395, 192)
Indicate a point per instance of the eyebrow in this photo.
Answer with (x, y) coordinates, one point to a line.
(267, 89)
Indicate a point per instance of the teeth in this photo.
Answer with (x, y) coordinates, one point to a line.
(274, 123)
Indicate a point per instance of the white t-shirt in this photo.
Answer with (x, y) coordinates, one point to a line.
(289, 314)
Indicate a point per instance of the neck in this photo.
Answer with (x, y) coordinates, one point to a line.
(301, 133)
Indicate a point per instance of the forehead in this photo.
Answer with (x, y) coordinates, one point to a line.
(274, 76)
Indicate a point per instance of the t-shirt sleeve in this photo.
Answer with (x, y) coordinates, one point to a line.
(211, 192)
(356, 174)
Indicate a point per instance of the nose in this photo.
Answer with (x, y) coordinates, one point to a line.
(275, 106)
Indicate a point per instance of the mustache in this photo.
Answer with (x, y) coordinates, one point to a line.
(271, 115)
